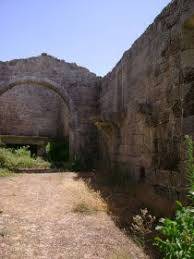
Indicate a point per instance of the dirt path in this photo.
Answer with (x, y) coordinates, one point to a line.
(37, 221)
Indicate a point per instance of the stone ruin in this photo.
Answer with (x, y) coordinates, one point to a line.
(133, 120)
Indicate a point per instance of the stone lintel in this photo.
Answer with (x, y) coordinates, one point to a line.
(25, 140)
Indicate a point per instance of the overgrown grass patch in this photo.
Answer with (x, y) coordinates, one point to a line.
(13, 159)
(5, 172)
(86, 200)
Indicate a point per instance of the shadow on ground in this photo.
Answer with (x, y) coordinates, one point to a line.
(124, 202)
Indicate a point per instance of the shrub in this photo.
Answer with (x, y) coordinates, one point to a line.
(177, 235)
(178, 241)
(11, 159)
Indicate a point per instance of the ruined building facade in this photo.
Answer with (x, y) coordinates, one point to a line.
(134, 118)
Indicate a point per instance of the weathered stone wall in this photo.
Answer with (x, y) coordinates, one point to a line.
(147, 101)
(75, 85)
(142, 109)
(28, 110)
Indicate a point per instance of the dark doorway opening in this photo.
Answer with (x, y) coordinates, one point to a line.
(58, 152)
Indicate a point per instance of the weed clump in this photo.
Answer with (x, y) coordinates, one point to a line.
(89, 201)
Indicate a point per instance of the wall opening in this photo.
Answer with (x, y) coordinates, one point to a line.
(58, 152)
(31, 115)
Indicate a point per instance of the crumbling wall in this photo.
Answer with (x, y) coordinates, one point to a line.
(77, 87)
(146, 102)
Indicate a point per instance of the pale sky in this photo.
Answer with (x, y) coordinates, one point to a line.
(92, 33)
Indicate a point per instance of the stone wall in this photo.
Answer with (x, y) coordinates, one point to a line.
(141, 109)
(28, 110)
(146, 102)
(53, 80)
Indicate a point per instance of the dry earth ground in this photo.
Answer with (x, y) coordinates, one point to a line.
(41, 218)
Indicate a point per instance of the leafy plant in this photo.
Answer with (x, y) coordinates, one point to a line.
(178, 241)
(177, 235)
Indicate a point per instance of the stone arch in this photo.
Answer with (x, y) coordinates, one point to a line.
(59, 90)
(44, 82)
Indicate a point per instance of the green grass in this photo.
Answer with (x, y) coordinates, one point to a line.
(5, 172)
(13, 159)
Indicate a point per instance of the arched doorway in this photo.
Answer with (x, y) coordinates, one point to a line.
(34, 111)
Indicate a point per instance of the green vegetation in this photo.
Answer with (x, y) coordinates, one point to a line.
(5, 172)
(58, 153)
(13, 159)
(177, 235)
